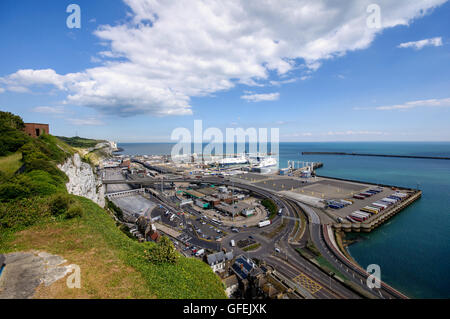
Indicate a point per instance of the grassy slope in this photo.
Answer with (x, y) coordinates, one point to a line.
(10, 164)
(112, 265)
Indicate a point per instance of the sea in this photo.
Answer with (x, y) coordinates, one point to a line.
(412, 248)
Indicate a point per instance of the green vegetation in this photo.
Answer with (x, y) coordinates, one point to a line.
(41, 176)
(115, 209)
(271, 207)
(162, 252)
(74, 211)
(37, 213)
(80, 141)
(95, 243)
(312, 248)
(9, 165)
(327, 266)
(252, 247)
(12, 136)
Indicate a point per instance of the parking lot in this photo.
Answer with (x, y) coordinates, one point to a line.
(281, 184)
(360, 203)
(332, 189)
(134, 204)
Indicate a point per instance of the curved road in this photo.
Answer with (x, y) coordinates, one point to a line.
(289, 262)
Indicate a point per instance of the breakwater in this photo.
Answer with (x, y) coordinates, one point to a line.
(376, 155)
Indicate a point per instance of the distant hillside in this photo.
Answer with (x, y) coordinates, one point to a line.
(80, 141)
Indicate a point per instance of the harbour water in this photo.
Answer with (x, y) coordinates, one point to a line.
(413, 248)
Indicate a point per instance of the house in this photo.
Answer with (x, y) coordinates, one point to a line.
(244, 267)
(125, 163)
(231, 285)
(218, 261)
(155, 236)
(248, 212)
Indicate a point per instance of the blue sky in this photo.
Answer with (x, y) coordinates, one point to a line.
(159, 66)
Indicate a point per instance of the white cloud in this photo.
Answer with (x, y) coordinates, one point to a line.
(437, 42)
(209, 46)
(410, 105)
(91, 121)
(281, 82)
(49, 109)
(2, 90)
(261, 97)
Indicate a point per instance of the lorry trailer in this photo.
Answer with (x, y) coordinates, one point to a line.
(264, 223)
(369, 210)
(362, 215)
(379, 205)
(358, 219)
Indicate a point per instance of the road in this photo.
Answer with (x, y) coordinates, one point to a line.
(288, 261)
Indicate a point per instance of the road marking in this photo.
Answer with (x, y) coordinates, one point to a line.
(307, 283)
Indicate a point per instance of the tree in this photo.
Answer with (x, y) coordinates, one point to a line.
(163, 252)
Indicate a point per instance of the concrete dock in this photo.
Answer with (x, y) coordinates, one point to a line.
(376, 220)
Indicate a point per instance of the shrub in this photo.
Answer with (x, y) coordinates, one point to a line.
(116, 209)
(24, 212)
(11, 135)
(163, 252)
(270, 206)
(74, 211)
(10, 191)
(11, 141)
(59, 204)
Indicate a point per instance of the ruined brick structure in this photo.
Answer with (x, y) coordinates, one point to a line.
(36, 129)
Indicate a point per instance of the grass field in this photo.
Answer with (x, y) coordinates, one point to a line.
(112, 265)
(10, 164)
(252, 247)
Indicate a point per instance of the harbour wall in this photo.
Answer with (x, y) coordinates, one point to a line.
(376, 155)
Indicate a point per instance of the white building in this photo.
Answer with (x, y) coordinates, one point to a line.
(218, 261)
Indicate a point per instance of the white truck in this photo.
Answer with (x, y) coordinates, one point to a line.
(232, 243)
(200, 252)
(264, 223)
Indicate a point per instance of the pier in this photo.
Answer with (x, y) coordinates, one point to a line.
(376, 155)
(376, 220)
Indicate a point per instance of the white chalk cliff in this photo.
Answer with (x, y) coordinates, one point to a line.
(82, 180)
